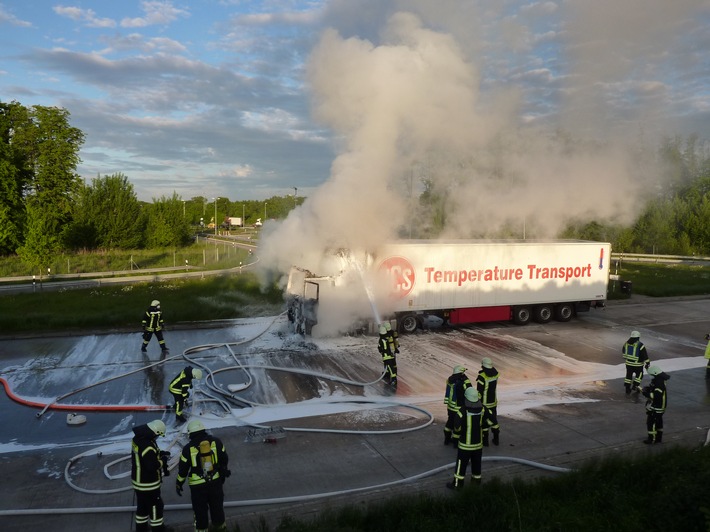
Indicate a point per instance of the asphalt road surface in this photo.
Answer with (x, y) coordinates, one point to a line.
(349, 438)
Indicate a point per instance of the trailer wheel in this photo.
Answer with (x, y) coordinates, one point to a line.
(543, 313)
(521, 315)
(408, 323)
(564, 312)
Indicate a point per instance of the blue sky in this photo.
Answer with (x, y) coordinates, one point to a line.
(245, 99)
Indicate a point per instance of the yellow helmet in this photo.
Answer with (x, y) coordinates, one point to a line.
(155, 303)
(158, 427)
(471, 394)
(195, 426)
(197, 373)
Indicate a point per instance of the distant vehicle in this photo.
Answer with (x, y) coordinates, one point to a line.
(233, 221)
(258, 223)
(458, 281)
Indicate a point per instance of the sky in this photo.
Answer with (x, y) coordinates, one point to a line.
(514, 114)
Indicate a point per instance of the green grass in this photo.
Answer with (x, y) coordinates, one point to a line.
(669, 490)
(203, 254)
(662, 280)
(110, 307)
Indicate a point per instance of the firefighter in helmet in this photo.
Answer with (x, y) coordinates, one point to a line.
(388, 357)
(203, 463)
(656, 400)
(635, 358)
(153, 324)
(456, 385)
(148, 467)
(180, 389)
(468, 422)
(487, 386)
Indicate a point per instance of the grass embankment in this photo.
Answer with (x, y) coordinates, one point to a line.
(122, 307)
(665, 491)
(664, 280)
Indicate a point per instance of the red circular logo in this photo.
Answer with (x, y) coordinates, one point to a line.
(401, 276)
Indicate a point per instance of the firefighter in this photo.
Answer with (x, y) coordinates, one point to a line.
(148, 466)
(456, 385)
(180, 388)
(707, 355)
(153, 324)
(487, 385)
(468, 421)
(388, 357)
(636, 358)
(392, 338)
(203, 462)
(657, 399)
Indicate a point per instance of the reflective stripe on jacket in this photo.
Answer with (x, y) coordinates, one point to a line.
(191, 465)
(468, 421)
(634, 354)
(487, 383)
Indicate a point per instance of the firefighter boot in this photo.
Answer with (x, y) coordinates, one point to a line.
(447, 437)
(496, 437)
(455, 485)
(659, 436)
(485, 439)
(628, 388)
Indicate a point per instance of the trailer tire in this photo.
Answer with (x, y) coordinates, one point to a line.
(564, 312)
(521, 315)
(408, 323)
(543, 313)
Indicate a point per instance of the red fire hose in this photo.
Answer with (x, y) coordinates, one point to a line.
(81, 408)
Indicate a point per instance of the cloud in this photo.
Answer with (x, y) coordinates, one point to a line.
(87, 16)
(156, 13)
(9, 18)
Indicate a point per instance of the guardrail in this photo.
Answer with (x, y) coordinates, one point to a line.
(661, 259)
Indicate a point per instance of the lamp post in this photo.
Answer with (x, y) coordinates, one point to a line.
(295, 195)
(183, 208)
(215, 216)
(243, 220)
(265, 203)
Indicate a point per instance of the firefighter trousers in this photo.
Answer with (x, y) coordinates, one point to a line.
(149, 510)
(208, 502)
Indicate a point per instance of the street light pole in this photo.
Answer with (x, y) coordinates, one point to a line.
(265, 203)
(243, 220)
(295, 195)
(215, 216)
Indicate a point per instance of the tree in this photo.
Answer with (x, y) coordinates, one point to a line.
(14, 176)
(107, 214)
(166, 226)
(50, 147)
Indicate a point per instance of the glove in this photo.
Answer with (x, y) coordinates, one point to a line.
(178, 489)
(224, 475)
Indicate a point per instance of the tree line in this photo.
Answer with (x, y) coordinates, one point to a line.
(46, 208)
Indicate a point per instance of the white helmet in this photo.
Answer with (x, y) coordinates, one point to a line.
(155, 303)
(635, 334)
(197, 373)
(471, 394)
(195, 426)
(388, 325)
(654, 370)
(383, 330)
(487, 363)
(158, 427)
(459, 369)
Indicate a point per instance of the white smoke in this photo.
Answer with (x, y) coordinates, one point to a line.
(409, 115)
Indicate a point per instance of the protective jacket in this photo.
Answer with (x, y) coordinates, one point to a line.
(383, 346)
(634, 353)
(153, 319)
(146, 466)
(486, 384)
(181, 384)
(469, 422)
(203, 460)
(456, 385)
(656, 393)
